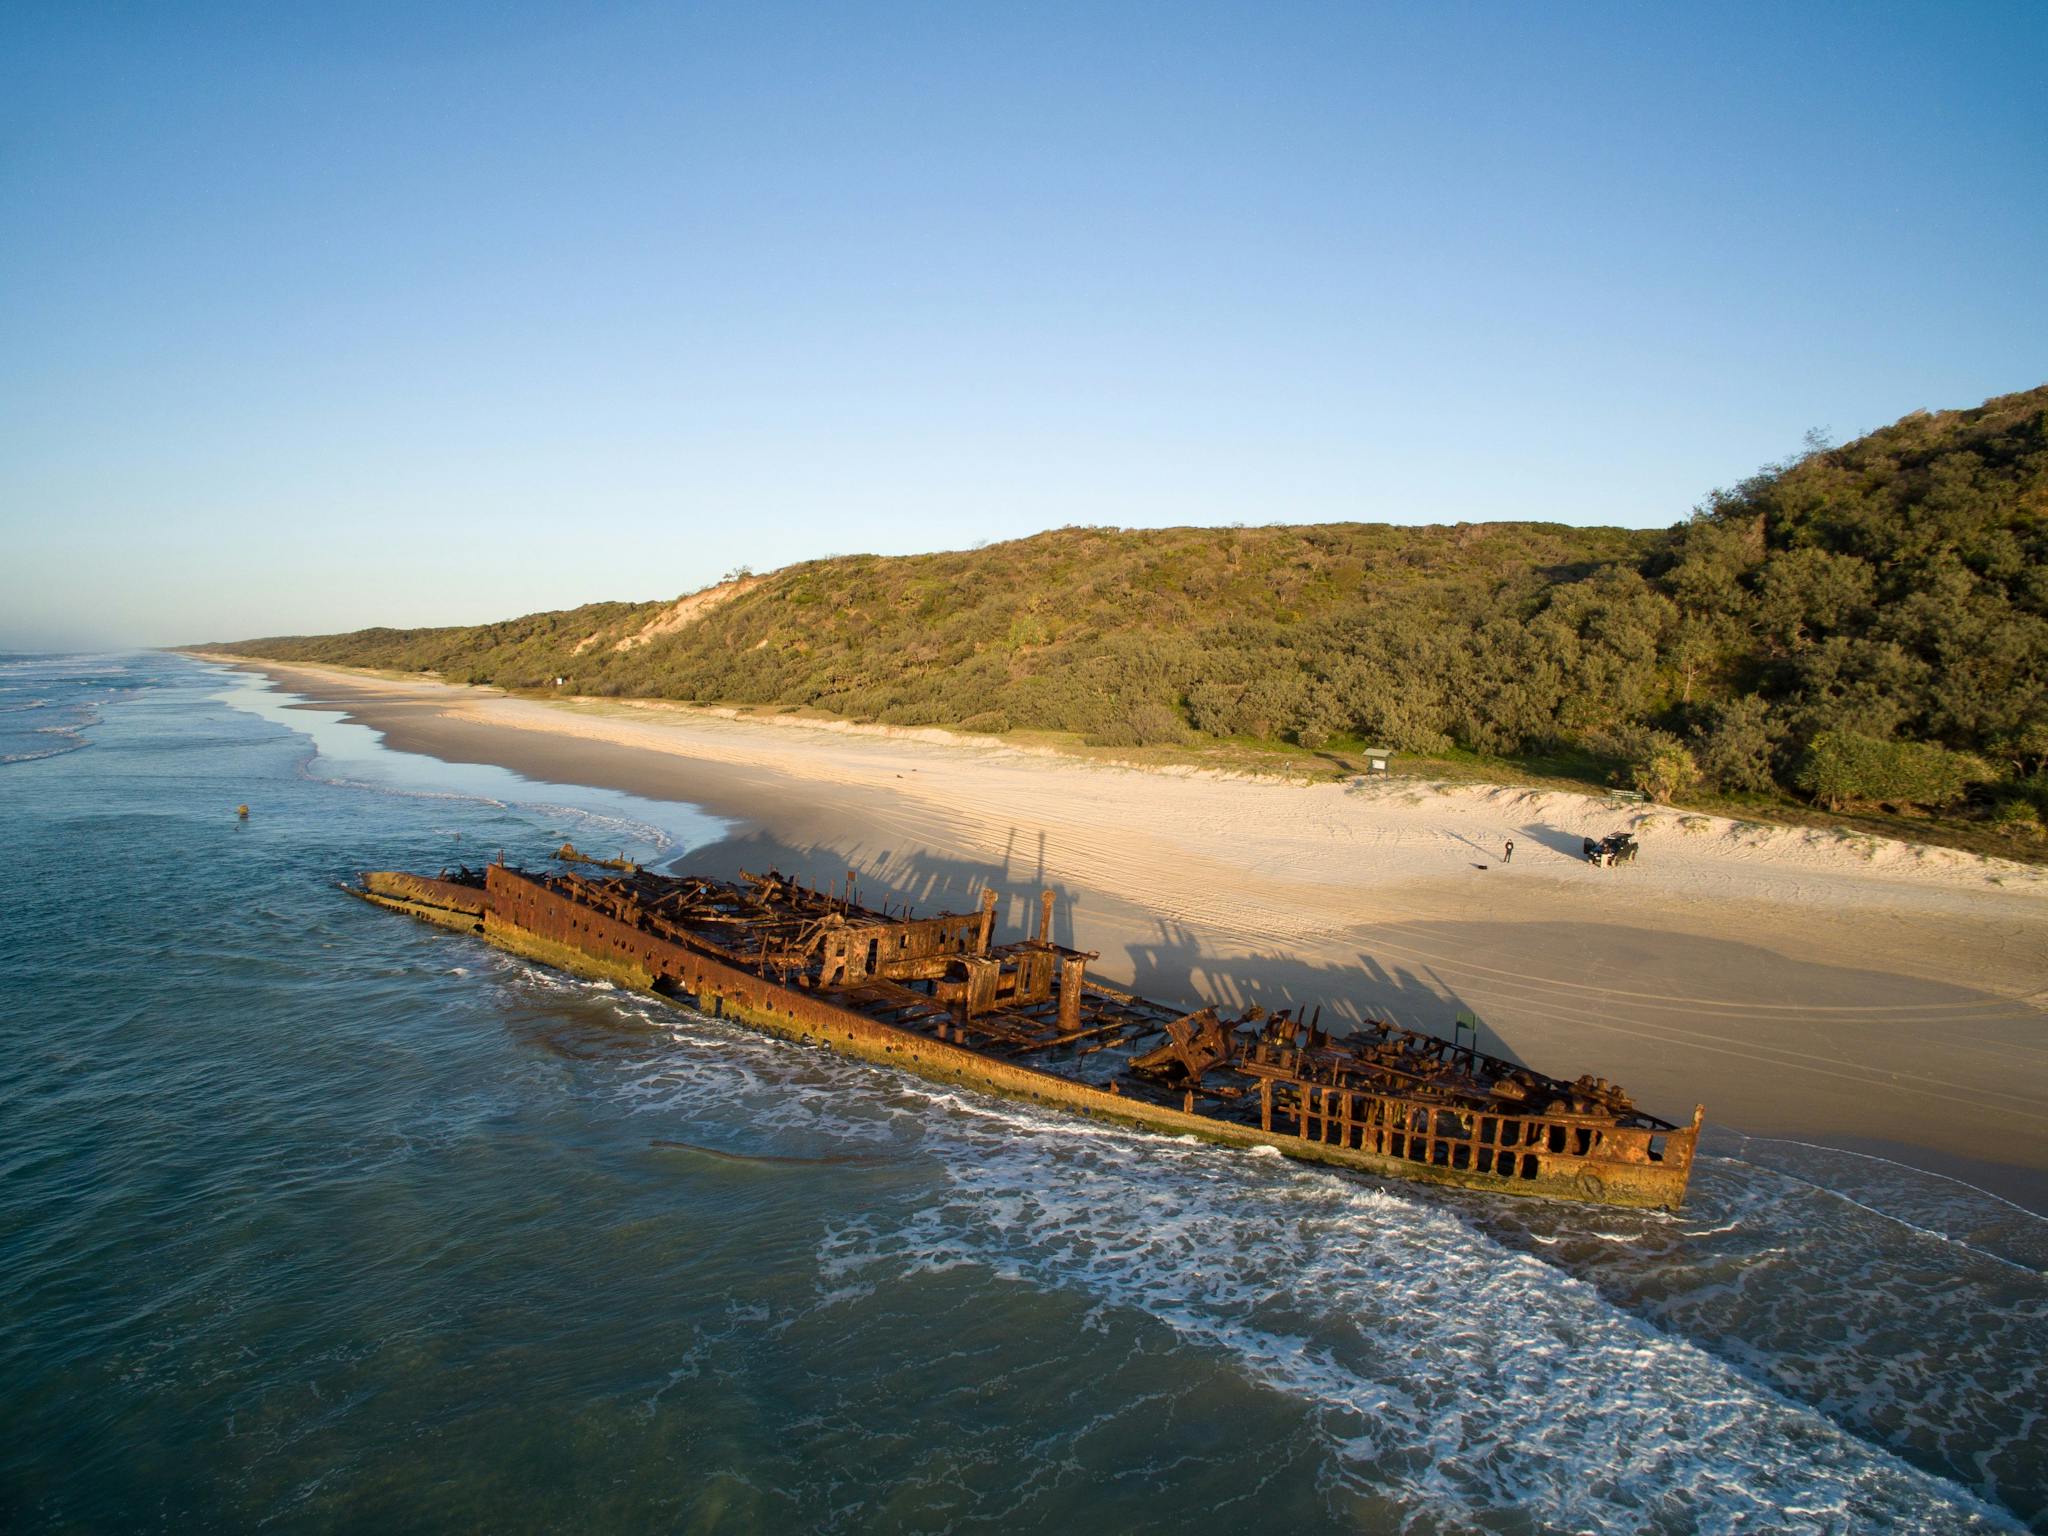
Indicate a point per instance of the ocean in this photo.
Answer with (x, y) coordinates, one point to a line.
(314, 1218)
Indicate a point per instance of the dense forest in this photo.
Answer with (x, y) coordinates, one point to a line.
(1862, 624)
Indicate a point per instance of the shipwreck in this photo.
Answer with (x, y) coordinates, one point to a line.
(939, 997)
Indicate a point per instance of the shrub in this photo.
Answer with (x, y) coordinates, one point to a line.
(1666, 771)
(1655, 762)
(2016, 816)
(1317, 718)
(1844, 768)
(1259, 707)
(1148, 725)
(2033, 788)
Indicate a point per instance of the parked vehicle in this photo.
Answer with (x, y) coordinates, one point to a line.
(1614, 848)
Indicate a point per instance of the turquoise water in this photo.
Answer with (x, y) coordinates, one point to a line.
(311, 1217)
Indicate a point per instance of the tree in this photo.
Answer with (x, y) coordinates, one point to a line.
(1732, 743)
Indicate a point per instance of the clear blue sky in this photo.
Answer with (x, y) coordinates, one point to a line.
(315, 316)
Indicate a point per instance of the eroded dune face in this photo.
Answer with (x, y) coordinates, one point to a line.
(679, 616)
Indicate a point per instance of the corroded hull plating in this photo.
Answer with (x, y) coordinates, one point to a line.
(1564, 1151)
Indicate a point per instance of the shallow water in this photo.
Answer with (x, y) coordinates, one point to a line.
(313, 1217)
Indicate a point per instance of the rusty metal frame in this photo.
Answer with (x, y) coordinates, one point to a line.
(937, 996)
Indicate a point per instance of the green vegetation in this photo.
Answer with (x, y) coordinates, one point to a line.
(1842, 768)
(1865, 625)
(529, 652)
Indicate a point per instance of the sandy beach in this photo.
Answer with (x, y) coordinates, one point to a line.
(1876, 996)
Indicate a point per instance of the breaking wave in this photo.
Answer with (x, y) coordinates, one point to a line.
(20, 743)
(1777, 1358)
(67, 741)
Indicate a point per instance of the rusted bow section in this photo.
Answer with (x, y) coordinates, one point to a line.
(938, 996)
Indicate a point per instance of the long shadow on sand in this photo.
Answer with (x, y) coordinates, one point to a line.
(1167, 961)
(1557, 841)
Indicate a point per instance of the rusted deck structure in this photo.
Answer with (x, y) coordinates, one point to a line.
(939, 996)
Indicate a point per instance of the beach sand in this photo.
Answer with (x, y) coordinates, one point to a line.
(1875, 996)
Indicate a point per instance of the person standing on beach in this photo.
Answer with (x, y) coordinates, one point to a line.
(1508, 857)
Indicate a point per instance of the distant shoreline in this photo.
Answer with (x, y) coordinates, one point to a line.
(1874, 996)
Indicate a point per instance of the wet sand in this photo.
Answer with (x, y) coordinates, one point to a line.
(1878, 998)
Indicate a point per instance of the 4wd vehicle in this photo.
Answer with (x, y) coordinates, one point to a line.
(1614, 848)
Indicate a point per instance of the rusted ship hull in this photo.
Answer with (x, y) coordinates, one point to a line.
(934, 997)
